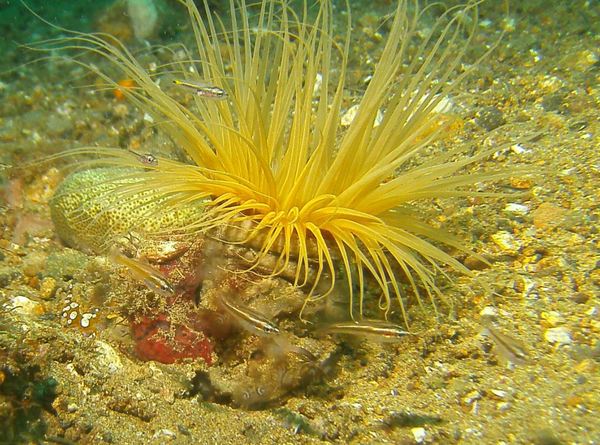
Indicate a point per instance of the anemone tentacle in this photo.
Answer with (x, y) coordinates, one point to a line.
(273, 168)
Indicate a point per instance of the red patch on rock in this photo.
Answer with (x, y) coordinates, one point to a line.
(153, 344)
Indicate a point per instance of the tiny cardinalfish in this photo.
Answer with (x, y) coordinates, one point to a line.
(203, 90)
(374, 330)
(249, 319)
(507, 347)
(145, 158)
(144, 272)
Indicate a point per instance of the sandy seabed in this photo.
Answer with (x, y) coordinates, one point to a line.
(447, 385)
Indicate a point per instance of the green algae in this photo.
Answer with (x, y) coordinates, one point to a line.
(25, 396)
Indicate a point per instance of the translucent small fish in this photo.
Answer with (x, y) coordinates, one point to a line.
(507, 347)
(248, 318)
(202, 90)
(146, 158)
(405, 419)
(144, 272)
(374, 330)
(254, 397)
(280, 346)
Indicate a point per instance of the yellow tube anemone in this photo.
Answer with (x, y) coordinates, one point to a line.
(274, 160)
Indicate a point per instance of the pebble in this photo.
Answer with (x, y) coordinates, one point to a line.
(521, 183)
(592, 312)
(490, 118)
(489, 311)
(47, 288)
(318, 84)
(120, 110)
(24, 306)
(517, 209)
(56, 124)
(552, 318)
(581, 379)
(475, 263)
(107, 360)
(507, 242)
(499, 393)
(165, 433)
(553, 101)
(471, 397)
(579, 298)
(34, 263)
(559, 336)
(419, 434)
(547, 215)
(503, 406)
(349, 116)
(519, 149)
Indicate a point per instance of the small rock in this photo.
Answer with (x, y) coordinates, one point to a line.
(519, 149)
(107, 360)
(490, 118)
(547, 215)
(559, 336)
(552, 318)
(471, 397)
(581, 379)
(144, 17)
(120, 110)
(65, 264)
(475, 263)
(24, 306)
(499, 393)
(507, 242)
(592, 312)
(553, 101)
(165, 433)
(5, 278)
(350, 114)
(517, 209)
(503, 406)
(489, 311)
(419, 434)
(57, 124)
(318, 84)
(47, 288)
(521, 183)
(34, 263)
(579, 298)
